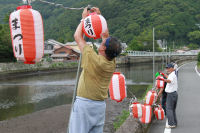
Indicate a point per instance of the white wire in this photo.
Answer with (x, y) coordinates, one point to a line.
(24, 1)
(59, 5)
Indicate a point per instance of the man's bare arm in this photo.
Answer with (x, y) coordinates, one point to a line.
(78, 36)
(167, 80)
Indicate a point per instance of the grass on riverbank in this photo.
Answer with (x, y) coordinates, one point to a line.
(62, 65)
(198, 59)
(120, 119)
(125, 113)
(143, 97)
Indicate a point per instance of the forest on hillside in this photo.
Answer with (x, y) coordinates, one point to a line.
(175, 21)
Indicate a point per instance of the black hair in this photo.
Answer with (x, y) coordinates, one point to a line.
(113, 49)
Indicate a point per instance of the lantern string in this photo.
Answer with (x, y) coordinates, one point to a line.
(133, 96)
(132, 100)
(60, 5)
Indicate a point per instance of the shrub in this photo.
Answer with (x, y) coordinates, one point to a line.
(198, 57)
(121, 119)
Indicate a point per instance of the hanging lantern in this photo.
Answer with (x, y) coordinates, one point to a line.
(94, 25)
(160, 83)
(27, 34)
(146, 114)
(137, 110)
(117, 87)
(159, 113)
(150, 97)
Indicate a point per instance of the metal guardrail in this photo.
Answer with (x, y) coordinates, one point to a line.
(144, 53)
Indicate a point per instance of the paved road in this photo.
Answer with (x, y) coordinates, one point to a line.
(188, 108)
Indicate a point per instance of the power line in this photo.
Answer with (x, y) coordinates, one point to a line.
(59, 5)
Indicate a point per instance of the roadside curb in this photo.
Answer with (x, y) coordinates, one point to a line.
(197, 71)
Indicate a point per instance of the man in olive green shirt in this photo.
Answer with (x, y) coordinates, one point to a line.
(89, 108)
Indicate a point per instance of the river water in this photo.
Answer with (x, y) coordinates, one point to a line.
(26, 94)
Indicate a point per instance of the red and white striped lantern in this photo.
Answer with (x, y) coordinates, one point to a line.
(150, 97)
(160, 83)
(94, 25)
(117, 87)
(159, 113)
(27, 34)
(146, 114)
(137, 110)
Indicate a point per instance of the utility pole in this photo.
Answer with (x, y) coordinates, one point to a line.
(153, 58)
(169, 55)
(166, 56)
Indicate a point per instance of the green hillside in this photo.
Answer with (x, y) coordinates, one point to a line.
(129, 20)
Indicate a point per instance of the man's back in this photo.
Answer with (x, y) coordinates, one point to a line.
(96, 75)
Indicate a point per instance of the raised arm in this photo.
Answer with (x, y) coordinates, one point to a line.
(166, 76)
(78, 35)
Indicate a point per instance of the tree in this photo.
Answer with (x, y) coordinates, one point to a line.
(198, 58)
(6, 52)
(192, 46)
(135, 45)
(194, 37)
(126, 19)
(144, 42)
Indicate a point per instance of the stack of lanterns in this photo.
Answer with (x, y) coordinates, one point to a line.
(143, 112)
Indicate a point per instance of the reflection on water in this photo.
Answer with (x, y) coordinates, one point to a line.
(28, 94)
(138, 78)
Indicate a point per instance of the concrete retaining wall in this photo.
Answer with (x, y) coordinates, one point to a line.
(20, 66)
(142, 59)
(132, 125)
(9, 67)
